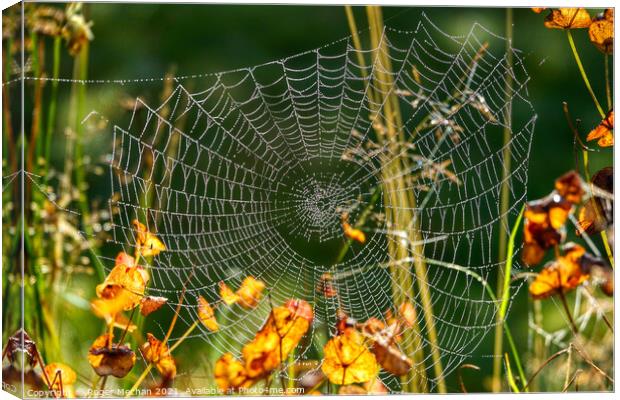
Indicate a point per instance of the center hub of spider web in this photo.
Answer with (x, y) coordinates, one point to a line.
(315, 194)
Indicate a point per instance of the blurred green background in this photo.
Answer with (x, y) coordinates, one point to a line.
(142, 41)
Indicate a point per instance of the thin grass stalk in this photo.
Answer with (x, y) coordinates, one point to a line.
(504, 207)
(582, 71)
(51, 112)
(408, 200)
(402, 283)
(402, 199)
(412, 341)
(608, 83)
(540, 350)
(80, 173)
(35, 129)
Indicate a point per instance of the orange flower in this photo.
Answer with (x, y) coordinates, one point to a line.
(107, 358)
(544, 226)
(122, 290)
(147, 242)
(350, 232)
(601, 32)
(283, 330)
(568, 18)
(603, 132)
(156, 352)
(262, 354)
(62, 378)
(408, 313)
(348, 360)
(230, 373)
(206, 315)
(538, 10)
(247, 296)
(250, 292)
(570, 187)
(560, 276)
(228, 296)
(597, 213)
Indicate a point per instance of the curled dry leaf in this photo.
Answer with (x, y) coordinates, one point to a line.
(568, 18)
(156, 352)
(387, 353)
(601, 32)
(207, 315)
(348, 360)
(150, 304)
(108, 358)
(544, 226)
(603, 132)
(561, 275)
(62, 379)
(146, 241)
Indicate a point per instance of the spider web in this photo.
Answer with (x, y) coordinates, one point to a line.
(251, 175)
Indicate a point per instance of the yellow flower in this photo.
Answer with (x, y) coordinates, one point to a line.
(348, 360)
(147, 242)
(156, 352)
(62, 378)
(206, 315)
(247, 296)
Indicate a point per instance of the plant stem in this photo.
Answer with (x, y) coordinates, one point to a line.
(607, 83)
(504, 207)
(140, 379)
(584, 76)
(569, 314)
(511, 380)
(51, 113)
(508, 273)
(170, 350)
(184, 336)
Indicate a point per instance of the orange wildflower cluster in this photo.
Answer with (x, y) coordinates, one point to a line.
(600, 28)
(157, 353)
(281, 333)
(603, 132)
(357, 353)
(544, 228)
(124, 289)
(247, 296)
